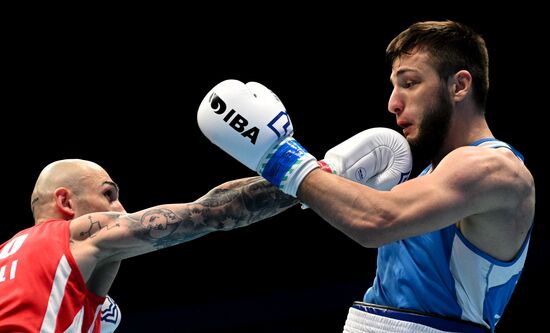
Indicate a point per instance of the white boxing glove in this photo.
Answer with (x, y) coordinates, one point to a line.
(249, 122)
(378, 157)
(110, 315)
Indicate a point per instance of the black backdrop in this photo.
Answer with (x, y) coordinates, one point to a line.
(121, 87)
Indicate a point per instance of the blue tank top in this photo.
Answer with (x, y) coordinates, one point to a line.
(442, 273)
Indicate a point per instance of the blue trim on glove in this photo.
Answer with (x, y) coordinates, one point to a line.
(287, 154)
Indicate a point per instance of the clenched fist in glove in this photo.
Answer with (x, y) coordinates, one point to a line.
(378, 157)
(250, 123)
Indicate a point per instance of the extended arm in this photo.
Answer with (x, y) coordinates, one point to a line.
(107, 237)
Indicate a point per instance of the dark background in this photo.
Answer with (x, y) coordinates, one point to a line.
(121, 87)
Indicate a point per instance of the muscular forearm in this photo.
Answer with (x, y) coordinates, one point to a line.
(346, 205)
(244, 201)
(116, 236)
(228, 206)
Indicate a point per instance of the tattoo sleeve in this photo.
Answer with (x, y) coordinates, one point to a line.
(228, 206)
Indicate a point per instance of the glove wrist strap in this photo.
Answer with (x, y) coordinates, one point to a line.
(286, 165)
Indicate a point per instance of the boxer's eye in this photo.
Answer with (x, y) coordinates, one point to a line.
(111, 195)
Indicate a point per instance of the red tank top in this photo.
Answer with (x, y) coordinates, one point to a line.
(41, 287)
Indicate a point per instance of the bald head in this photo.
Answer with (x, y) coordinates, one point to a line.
(75, 175)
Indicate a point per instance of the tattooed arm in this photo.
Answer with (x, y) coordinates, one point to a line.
(101, 238)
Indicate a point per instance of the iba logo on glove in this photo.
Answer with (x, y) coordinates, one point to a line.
(280, 124)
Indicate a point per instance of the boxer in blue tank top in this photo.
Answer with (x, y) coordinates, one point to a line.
(442, 273)
(451, 243)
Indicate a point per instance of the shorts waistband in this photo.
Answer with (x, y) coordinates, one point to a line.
(440, 323)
